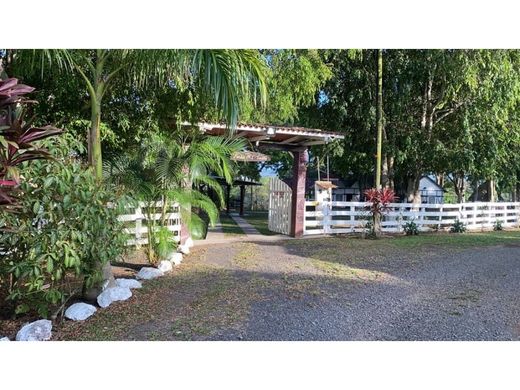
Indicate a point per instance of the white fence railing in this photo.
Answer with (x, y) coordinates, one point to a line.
(350, 217)
(137, 223)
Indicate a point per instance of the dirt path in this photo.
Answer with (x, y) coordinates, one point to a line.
(322, 290)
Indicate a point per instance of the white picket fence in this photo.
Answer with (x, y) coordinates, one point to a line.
(136, 223)
(350, 217)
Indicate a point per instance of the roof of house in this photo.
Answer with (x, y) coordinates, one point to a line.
(432, 182)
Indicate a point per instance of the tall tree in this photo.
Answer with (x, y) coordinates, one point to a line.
(228, 75)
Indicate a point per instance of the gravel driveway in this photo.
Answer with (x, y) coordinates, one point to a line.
(473, 295)
(325, 289)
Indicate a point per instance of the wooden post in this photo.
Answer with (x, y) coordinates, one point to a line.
(242, 198)
(138, 224)
(298, 192)
(228, 197)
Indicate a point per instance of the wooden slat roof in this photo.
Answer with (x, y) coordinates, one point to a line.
(281, 135)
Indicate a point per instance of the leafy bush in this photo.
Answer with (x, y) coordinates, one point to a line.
(497, 226)
(164, 243)
(411, 228)
(17, 137)
(61, 234)
(458, 227)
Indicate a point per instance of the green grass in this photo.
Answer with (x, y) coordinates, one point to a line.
(463, 240)
(229, 226)
(259, 220)
(356, 252)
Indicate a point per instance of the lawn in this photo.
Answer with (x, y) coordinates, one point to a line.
(393, 252)
(229, 226)
(463, 240)
(259, 219)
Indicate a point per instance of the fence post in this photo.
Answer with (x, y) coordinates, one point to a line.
(326, 217)
(422, 210)
(474, 210)
(138, 224)
(351, 217)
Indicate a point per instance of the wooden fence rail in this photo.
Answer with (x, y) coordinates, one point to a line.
(137, 222)
(349, 217)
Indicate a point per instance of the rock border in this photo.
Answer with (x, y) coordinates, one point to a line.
(123, 285)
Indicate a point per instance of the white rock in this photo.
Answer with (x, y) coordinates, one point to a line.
(165, 266)
(189, 242)
(184, 249)
(79, 311)
(4, 339)
(113, 294)
(128, 283)
(149, 273)
(40, 330)
(109, 283)
(175, 258)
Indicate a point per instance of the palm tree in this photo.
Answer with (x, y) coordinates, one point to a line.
(228, 75)
(174, 169)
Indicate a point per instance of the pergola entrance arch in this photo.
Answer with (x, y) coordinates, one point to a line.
(292, 139)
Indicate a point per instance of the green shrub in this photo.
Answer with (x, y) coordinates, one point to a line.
(164, 243)
(411, 228)
(62, 233)
(458, 227)
(497, 226)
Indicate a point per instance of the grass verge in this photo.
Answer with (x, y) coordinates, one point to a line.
(229, 226)
(259, 220)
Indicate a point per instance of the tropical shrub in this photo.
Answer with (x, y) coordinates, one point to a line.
(458, 227)
(411, 228)
(379, 204)
(17, 137)
(177, 169)
(61, 234)
(163, 244)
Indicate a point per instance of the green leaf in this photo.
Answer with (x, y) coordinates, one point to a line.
(36, 207)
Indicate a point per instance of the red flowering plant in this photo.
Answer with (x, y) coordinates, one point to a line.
(380, 201)
(17, 136)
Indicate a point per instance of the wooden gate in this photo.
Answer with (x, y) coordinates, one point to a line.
(280, 202)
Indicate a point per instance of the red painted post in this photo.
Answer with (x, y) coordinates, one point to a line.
(298, 192)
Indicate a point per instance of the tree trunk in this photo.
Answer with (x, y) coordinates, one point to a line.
(379, 117)
(475, 197)
(376, 219)
(413, 194)
(94, 139)
(439, 179)
(384, 173)
(491, 190)
(459, 186)
(390, 165)
(187, 185)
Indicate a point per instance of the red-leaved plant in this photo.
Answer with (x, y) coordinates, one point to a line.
(17, 136)
(379, 204)
(380, 199)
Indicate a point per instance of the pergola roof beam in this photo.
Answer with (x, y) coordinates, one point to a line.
(259, 138)
(291, 140)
